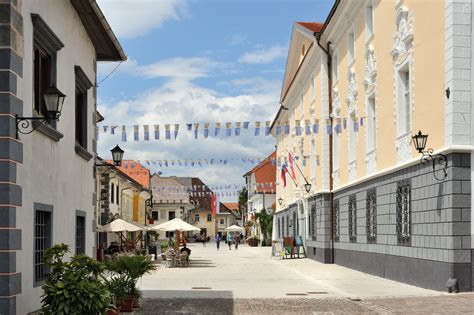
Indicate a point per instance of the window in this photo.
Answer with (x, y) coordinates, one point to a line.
(283, 225)
(112, 193)
(43, 231)
(371, 216)
(312, 223)
(335, 149)
(82, 85)
(369, 19)
(371, 125)
(196, 217)
(279, 228)
(352, 218)
(209, 218)
(404, 105)
(221, 221)
(403, 212)
(154, 215)
(172, 215)
(295, 224)
(287, 225)
(312, 92)
(80, 234)
(351, 46)
(45, 47)
(352, 139)
(117, 194)
(335, 210)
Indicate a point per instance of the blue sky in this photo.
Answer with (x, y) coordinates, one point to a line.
(199, 61)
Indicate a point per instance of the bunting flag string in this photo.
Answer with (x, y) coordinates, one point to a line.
(301, 127)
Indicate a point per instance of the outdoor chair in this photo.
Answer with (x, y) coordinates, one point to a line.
(182, 260)
(165, 262)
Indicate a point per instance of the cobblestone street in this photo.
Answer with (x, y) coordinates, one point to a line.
(248, 281)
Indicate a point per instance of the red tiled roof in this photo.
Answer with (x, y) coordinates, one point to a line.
(312, 26)
(234, 206)
(265, 173)
(136, 171)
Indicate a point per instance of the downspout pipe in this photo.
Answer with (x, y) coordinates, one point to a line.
(327, 51)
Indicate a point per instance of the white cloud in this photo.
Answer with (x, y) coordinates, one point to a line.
(181, 101)
(239, 39)
(264, 55)
(136, 18)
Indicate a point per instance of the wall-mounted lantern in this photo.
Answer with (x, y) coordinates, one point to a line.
(419, 141)
(117, 157)
(280, 201)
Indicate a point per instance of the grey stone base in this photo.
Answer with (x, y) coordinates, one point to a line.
(323, 255)
(8, 305)
(427, 274)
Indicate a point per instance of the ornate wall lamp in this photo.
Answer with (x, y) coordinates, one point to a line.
(117, 156)
(53, 102)
(280, 201)
(419, 141)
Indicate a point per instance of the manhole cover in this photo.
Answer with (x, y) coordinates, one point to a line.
(316, 292)
(201, 288)
(296, 294)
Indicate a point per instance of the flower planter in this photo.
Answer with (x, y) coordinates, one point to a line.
(113, 311)
(127, 305)
(253, 242)
(136, 301)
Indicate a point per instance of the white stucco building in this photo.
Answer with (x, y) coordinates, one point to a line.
(47, 177)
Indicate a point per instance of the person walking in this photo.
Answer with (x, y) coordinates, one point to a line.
(218, 240)
(236, 240)
(204, 239)
(229, 241)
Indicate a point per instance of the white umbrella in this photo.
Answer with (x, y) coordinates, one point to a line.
(175, 224)
(119, 225)
(234, 228)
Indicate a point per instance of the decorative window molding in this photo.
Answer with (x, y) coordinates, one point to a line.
(352, 92)
(369, 20)
(370, 70)
(371, 135)
(404, 212)
(352, 218)
(336, 216)
(335, 67)
(45, 35)
(82, 81)
(336, 104)
(371, 216)
(351, 45)
(403, 37)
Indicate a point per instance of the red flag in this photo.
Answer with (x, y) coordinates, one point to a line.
(290, 159)
(213, 203)
(283, 175)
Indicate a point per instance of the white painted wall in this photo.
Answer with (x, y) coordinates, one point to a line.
(52, 173)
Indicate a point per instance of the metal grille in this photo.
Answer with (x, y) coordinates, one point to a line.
(287, 225)
(80, 235)
(403, 212)
(352, 218)
(335, 210)
(371, 227)
(283, 226)
(312, 222)
(42, 242)
(279, 228)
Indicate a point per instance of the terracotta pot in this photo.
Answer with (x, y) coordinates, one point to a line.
(253, 242)
(127, 304)
(136, 301)
(113, 312)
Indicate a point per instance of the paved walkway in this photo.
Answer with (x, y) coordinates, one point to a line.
(249, 281)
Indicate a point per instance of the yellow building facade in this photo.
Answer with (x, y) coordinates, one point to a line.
(356, 89)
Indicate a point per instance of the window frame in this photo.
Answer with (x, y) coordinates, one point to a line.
(196, 217)
(48, 210)
(81, 106)
(351, 46)
(209, 217)
(371, 124)
(404, 108)
(369, 30)
(352, 218)
(82, 215)
(404, 220)
(336, 231)
(371, 216)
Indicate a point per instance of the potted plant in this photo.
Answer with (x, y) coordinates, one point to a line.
(117, 286)
(133, 268)
(75, 286)
(253, 241)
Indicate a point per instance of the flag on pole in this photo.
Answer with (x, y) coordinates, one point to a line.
(213, 204)
(290, 160)
(283, 174)
(157, 132)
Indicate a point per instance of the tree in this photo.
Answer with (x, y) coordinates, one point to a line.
(243, 197)
(265, 221)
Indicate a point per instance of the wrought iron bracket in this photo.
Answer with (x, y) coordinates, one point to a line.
(24, 123)
(436, 159)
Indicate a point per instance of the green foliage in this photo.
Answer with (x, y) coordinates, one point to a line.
(75, 286)
(119, 288)
(265, 221)
(132, 268)
(164, 246)
(243, 196)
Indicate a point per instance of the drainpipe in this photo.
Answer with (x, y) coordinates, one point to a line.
(327, 51)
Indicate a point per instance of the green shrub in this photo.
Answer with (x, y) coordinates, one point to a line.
(119, 288)
(75, 286)
(132, 268)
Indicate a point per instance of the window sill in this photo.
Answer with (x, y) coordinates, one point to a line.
(49, 131)
(82, 152)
